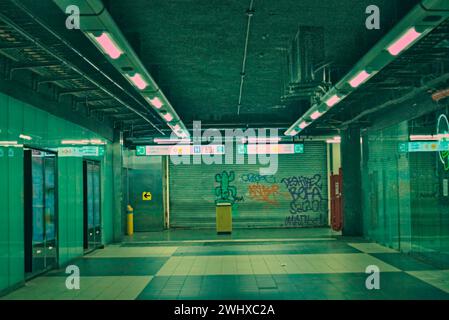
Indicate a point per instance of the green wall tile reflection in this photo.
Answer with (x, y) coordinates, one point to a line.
(47, 132)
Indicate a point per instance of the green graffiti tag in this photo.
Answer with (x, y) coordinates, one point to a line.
(225, 191)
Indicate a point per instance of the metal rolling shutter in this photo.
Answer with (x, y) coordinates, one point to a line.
(296, 196)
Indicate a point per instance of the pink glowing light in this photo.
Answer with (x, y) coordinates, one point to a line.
(360, 78)
(332, 101)
(138, 81)
(404, 42)
(156, 102)
(108, 45)
(303, 125)
(315, 115)
(167, 116)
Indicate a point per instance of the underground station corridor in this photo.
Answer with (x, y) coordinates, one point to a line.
(224, 150)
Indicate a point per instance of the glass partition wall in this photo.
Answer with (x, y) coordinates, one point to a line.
(406, 192)
(40, 211)
(92, 205)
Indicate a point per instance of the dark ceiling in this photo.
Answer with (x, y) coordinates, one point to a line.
(194, 50)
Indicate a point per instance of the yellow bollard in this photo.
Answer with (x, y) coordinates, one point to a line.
(130, 220)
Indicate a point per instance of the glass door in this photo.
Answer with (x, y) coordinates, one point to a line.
(40, 211)
(92, 205)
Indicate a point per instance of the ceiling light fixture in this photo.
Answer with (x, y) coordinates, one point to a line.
(167, 116)
(332, 101)
(405, 41)
(303, 125)
(155, 102)
(292, 133)
(315, 115)
(138, 81)
(83, 142)
(171, 141)
(360, 78)
(8, 143)
(263, 140)
(25, 137)
(107, 45)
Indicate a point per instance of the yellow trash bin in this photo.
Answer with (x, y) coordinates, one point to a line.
(224, 217)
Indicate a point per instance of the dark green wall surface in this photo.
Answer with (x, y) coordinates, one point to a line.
(47, 132)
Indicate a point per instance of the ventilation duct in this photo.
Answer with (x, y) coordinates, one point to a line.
(306, 73)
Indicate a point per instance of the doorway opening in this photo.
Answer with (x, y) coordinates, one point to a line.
(40, 200)
(92, 205)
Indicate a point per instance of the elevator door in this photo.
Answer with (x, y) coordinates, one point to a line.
(92, 208)
(40, 211)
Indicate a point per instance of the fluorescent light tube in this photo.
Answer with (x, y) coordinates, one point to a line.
(8, 143)
(360, 78)
(429, 137)
(138, 81)
(25, 137)
(303, 125)
(170, 141)
(167, 116)
(404, 41)
(155, 102)
(332, 101)
(263, 140)
(83, 142)
(107, 45)
(315, 115)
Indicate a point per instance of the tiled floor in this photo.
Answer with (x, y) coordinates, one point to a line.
(186, 235)
(309, 268)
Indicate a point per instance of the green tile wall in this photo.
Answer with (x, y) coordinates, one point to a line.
(47, 131)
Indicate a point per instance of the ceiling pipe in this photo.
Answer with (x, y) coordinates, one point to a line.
(68, 63)
(249, 13)
(414, 93)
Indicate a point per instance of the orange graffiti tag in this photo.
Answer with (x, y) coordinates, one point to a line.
(264, 193)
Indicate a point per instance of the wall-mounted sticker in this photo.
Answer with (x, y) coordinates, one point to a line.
(147, 196)
(11, 152)
(445, 188)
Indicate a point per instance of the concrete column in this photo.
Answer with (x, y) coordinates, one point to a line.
(352, 182)
(117, 167)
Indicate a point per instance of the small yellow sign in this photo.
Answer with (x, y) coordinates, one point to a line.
(146, 196)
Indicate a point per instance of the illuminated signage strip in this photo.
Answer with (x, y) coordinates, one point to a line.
(180, 150)
(424, 146)
(86, 151)
(219, 149)
(271, 148)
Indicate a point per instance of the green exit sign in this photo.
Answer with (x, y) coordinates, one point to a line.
(141, 150)
(299, 148)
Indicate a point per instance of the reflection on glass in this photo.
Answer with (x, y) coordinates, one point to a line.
(43, 173)
(93, 207)
(406, 198)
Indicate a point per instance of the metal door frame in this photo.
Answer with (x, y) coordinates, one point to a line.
(86, 161)
(29, 206)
